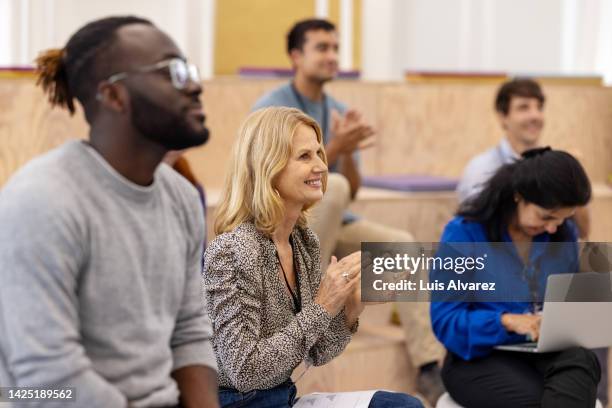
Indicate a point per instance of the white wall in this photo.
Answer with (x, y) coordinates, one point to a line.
(527, 35)
(41, 24)
(517, 36)
(5, 32)
(381, 40)
(592, 46)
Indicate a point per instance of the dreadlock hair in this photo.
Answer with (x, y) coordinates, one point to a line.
(73, 71)
(548, 178)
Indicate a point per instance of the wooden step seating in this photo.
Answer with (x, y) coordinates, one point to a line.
(429, 129)
(376, 358)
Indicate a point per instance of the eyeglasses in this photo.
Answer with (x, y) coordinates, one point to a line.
(180, 72)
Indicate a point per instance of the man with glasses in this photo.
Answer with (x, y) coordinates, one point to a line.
(101, 245)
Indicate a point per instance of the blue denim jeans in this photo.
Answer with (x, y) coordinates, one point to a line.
(386, 399)
(283, 396)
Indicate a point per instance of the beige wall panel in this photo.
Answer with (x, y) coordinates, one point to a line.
(334, 17)
(419, 124)
(381, 349)
(579, 120)
(601, 214)
(227, 102)
(28, 127)
(334, 12)
(363, 98)
(250, 33)
(424, 128)
(424, 215)
(253, 33)
(357, 32)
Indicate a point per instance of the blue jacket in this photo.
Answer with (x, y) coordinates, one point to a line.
(472, 329)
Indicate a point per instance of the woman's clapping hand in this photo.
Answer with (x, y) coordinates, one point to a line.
(339, 282)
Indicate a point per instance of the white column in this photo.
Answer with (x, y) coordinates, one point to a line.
(603, 60)
(322, 8)
(6, 37)
(200, 35)
(36, 29)
(49, 23)
(346, 34)
(569, 34)
(23, 27)
(207, 62)
(179, 22)
(465, 30)
(377, 40)
(488, 36)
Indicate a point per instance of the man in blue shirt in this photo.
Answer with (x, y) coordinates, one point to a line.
(520, 109)
(312, 46)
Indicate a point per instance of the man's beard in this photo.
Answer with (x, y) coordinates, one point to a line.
(158, 124)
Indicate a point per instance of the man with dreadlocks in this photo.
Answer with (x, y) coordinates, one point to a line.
(100, 244)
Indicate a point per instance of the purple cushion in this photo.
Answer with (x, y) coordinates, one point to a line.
(410, 182)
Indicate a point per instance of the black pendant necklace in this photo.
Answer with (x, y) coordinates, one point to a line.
(295, 296)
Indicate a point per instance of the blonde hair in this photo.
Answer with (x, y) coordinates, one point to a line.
(260, 153)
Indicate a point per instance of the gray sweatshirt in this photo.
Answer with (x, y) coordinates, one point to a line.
(100, 285)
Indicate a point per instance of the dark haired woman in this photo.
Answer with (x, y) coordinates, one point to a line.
(523, 204)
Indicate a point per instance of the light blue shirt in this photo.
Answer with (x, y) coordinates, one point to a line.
(482, 167)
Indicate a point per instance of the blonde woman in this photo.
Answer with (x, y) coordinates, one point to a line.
(270, 304)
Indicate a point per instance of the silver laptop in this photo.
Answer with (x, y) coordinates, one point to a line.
(577, 312)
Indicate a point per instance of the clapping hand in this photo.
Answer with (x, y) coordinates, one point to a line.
(351, 132)
(339, 282)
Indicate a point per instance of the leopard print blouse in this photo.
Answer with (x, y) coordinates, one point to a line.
(257, 338)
